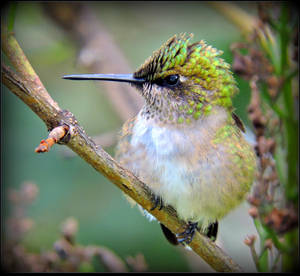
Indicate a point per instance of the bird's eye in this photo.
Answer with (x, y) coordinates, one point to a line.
(172, 79)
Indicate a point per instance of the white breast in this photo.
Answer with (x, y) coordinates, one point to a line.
(168, 166)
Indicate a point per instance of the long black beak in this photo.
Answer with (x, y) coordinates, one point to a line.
(106, 77)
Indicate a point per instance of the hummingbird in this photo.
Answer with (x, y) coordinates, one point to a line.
(186, 143)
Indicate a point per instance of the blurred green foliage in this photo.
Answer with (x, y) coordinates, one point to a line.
(69, 186)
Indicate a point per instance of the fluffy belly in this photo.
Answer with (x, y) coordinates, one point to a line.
(169, 163)
(198, 178)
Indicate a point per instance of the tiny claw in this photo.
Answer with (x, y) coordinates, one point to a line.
(157, 202)
(185, 240)
(187, 235)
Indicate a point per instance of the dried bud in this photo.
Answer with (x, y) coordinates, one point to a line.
(69, 229)
(273, 84)
(250, 240)
(265, 145)
(282, 220)
(268, 244)
(253, 212)
(253, 201)
(28, 191)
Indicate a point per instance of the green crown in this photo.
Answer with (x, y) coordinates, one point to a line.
(198, 61)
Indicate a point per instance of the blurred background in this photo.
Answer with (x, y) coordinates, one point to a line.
(68, 186)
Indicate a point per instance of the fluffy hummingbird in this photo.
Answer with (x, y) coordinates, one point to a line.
(186, 143)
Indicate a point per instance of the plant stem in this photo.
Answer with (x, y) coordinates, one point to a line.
(263, 265)
(290, 261)
(290, 123)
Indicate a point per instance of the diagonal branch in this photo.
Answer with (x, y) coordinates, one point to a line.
(27, 86)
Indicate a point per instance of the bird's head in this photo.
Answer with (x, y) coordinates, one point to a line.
(181, 81)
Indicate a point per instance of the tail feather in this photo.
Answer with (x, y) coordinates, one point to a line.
(169, 235)
(212, 231)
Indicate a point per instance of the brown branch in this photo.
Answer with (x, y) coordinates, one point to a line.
(27, 86)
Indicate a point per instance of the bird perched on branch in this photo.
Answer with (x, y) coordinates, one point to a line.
(186, 143)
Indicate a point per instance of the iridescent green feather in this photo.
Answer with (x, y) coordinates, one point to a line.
(198, 61)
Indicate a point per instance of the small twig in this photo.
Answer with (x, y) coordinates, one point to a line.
(250, 241)
(275, 263)
(110, 260)
(137, 263)
(69, 229)
(55, 136)
(68, 250)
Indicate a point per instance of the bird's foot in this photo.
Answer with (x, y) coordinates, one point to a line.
(187, 235)
(158, 202)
